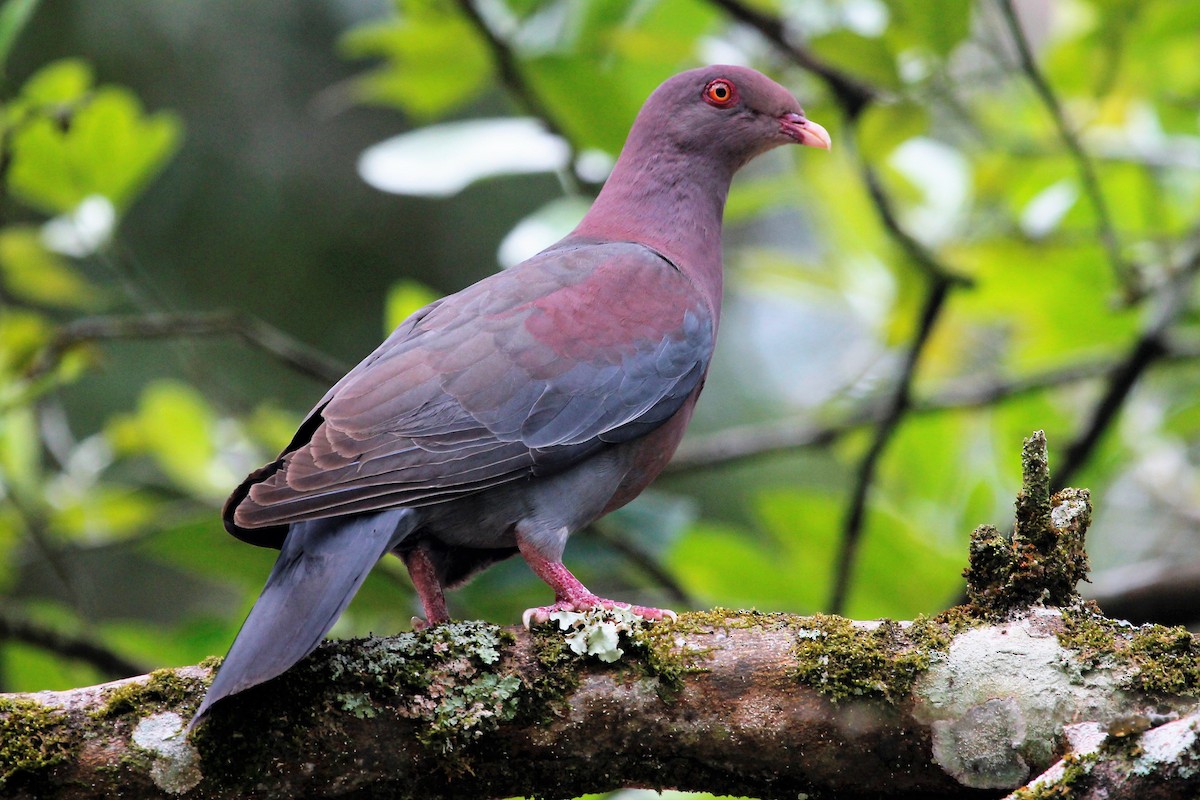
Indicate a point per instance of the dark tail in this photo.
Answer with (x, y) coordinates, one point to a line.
(320, 568)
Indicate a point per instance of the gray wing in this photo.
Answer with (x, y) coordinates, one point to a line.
(524, 373)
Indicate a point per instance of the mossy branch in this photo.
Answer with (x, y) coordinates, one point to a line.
(1025, 681)
(768, 705)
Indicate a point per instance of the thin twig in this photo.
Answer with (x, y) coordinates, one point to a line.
(1150, 346)
(251, 330)
(852, 94)
(900, 403)
(1083, 162)
(746, 442)
(79, 648)
(920, 255)
(510, 74)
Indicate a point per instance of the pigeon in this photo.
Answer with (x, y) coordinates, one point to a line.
(503, 418)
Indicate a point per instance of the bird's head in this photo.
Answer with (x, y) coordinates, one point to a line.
(727, 110)
(732, 112)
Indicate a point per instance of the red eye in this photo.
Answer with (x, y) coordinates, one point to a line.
(720, 93)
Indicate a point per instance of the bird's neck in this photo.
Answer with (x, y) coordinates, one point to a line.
(670, 201)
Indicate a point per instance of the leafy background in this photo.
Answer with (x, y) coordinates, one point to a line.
(211, 209)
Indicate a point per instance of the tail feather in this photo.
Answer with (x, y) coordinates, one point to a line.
(320, 568)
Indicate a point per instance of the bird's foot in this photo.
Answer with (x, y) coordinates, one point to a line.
(586, 602)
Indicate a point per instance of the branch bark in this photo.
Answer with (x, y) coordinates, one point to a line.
(972, 703)
(769, 705)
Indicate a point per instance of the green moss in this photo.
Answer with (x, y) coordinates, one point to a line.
(1034, 501)
(1075, 778)
(211, 663)
(1162, 660)
(451, 679)
(556, 678)
(32, 738)
(1092, 636)
(991, 557)
(1168, 661)
(720, 618)
(942, 627)
(163, 689)
(841, 660)
(445, 675)
(1045, 559)
(667, 654)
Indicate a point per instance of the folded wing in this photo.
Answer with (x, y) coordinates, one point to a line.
(525, 373)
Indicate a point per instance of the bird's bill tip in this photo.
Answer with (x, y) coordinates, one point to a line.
(815, 135)
(805, 132)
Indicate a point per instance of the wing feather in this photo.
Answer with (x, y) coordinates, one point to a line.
(524, 373)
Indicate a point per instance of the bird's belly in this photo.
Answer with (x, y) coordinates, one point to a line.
(650, 456)
(555, 506)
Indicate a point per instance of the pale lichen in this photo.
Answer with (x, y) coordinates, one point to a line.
(1172, 745)
(176, 765)
(597, 632)
(1018, 679)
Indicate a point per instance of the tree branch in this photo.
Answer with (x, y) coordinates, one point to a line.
(762, 704)
(1105, 229)
(773, 438)
(897, 406)
(78, 648)
(252, 331)
(970, 703)
(852, 94)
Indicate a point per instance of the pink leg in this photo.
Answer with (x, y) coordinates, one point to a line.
(569, 593)
(429, 588)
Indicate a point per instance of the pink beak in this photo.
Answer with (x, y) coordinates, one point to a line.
(805, 131)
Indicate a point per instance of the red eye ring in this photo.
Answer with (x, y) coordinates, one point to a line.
(720, 93)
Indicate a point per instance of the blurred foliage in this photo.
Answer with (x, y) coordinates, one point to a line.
(109, 513)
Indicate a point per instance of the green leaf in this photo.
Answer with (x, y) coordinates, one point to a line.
(22, 335)
(13, 17)
(1053, 299)
(935, 25)
(108, 512)
(20, 452)
(110, 148)
(272, 427)
(595, 107)
(30, 272)
(434, 60)
(900, 571)
(868, 57)
(177, 428)
(721, 565)
(884, 126)
(405, 297)
(58, 83)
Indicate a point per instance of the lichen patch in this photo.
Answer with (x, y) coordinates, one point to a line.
(1023, 668)
(176, 767)
(1168, 744)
